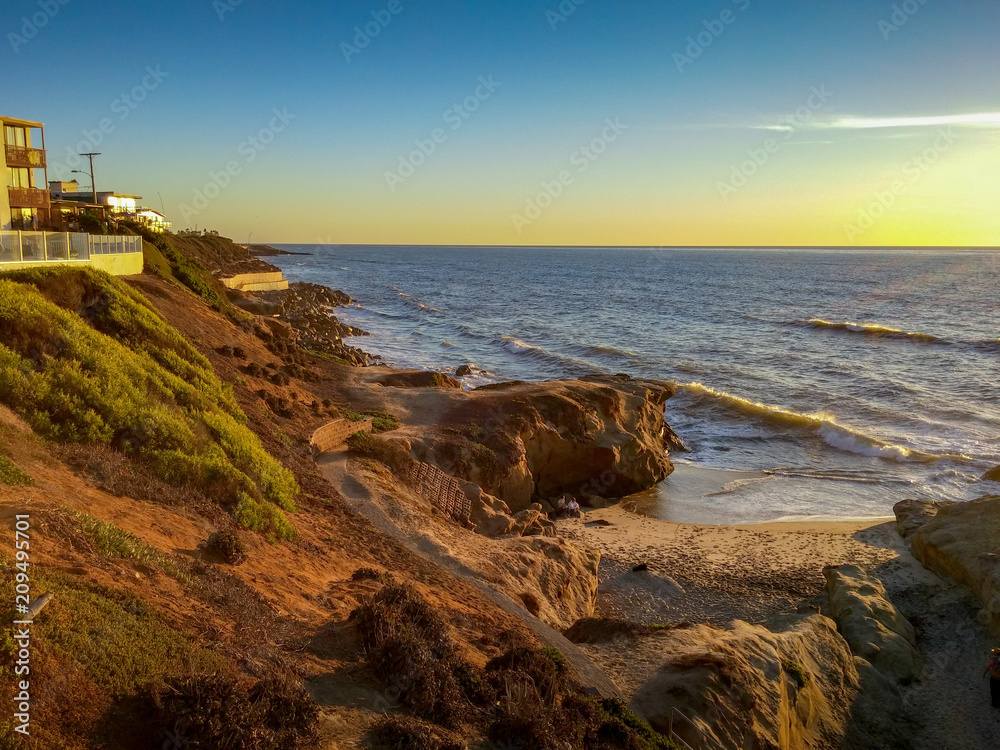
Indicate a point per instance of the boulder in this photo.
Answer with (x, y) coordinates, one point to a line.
(789, 683)
(870, 624)
(526, 441)
(464, 371)
(962, 542)
(420, 379)
(912, 514)
(993, 475)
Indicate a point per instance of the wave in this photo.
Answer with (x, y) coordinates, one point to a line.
(872, 329)
(606, 350)
(516, 346)
(820, 424)
(417, 304)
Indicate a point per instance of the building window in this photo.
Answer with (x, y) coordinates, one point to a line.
(15, 136)
(24, 219)
(19, 177)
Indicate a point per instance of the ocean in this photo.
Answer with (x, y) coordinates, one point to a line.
(810, 383)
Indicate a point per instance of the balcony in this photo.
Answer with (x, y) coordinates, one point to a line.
(19, 156)
(28, 198)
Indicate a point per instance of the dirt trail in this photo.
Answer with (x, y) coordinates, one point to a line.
(335, 468)
(950, 704)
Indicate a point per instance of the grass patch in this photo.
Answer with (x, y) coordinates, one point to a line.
(263, 518)
(381, 421)
(120, 642)
(88, 534)
(85, 359)
(11, 475)
(795, 670)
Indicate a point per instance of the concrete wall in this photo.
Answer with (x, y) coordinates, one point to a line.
(256, 282)
(128, 264)
(334, 435)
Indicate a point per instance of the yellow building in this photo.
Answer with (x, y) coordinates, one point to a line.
(23, 204)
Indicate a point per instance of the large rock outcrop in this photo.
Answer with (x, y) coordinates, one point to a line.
(552, 578)
(522, 442)
(789, 685)
(962, 542)
(870, 624)
(912, 514)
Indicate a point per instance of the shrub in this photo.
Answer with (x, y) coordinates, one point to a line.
(407, 648)
(370, 574)
(381, 421)
(11, 475)
(217, 711)
(397, 459)
(400, 733)
(796, 672)
(85, 359)
(264, 519)
(227, 546)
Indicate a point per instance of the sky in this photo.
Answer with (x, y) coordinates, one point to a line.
(505, 122)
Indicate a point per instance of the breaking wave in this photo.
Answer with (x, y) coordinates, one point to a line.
(820, 424)
(872, 329)
(516, 346)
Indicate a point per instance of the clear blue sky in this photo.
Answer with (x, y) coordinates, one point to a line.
(902, 148)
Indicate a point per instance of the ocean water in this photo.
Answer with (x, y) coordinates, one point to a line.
(809, 383)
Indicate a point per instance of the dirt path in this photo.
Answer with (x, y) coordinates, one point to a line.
(950, 704)
(335, 468)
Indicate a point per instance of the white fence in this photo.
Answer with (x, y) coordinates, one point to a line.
(34, 247)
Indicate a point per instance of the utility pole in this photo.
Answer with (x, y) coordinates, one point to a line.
(93, 183)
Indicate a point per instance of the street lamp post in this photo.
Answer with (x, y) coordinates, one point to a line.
(93, 183)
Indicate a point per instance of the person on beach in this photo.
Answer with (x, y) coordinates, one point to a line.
(993, 670)
(561, 509)
(573, 508)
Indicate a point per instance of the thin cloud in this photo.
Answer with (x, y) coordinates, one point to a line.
(985, 119)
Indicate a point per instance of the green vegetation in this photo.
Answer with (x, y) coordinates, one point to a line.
(11, 475)
(794, 670)
(120, 642)
(227, 546)
(397, 459)
(523, 698)
(85, 359)
(263, 518)
(381, 421)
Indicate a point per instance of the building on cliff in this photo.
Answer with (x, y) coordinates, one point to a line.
(26, 214)
(24, 205)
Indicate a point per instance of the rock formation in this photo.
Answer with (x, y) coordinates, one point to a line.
(523, 442)
(912, 514)
(870, 624)
(787, 684)
(962, 542)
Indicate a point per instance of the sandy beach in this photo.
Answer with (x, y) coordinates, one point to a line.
(702, 573)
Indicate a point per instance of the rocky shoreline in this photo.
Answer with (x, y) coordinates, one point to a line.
(769, 615)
